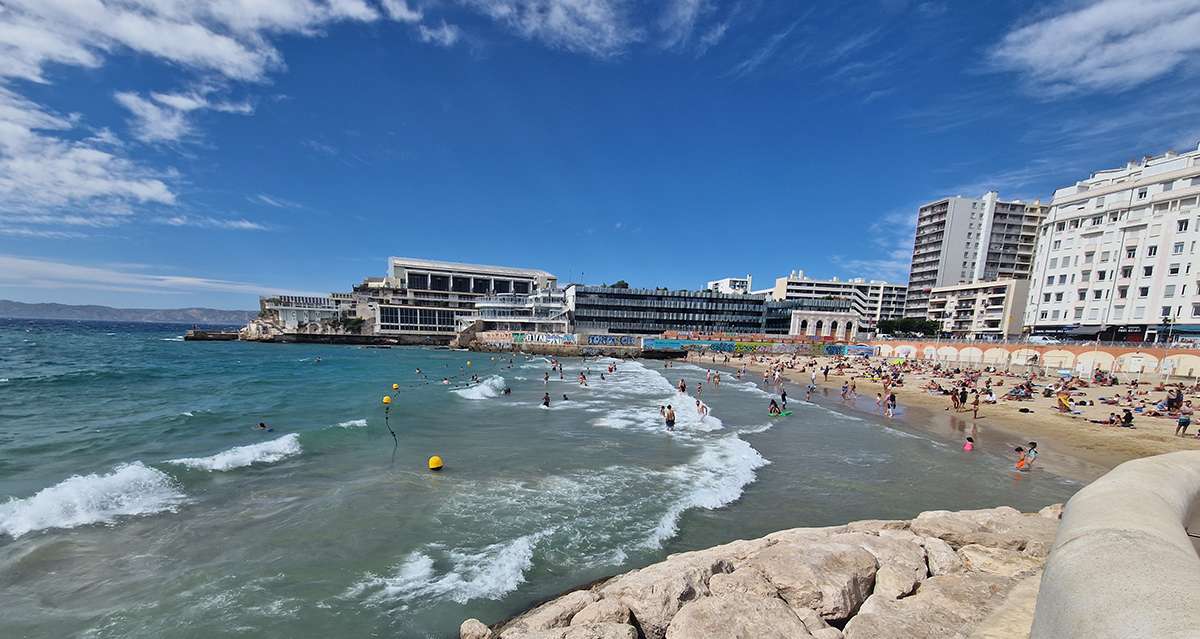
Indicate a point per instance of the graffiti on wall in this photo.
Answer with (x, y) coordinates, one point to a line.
(556, 339)
(613, 340)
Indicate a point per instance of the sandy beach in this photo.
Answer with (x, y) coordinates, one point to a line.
(1069, 443)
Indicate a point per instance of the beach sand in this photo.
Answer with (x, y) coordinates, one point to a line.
(1070, 445)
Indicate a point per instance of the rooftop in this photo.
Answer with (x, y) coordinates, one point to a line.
(416, 262)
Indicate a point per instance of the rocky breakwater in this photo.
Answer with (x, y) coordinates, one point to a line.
(971, 574)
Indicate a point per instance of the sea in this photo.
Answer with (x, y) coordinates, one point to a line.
(138, 499)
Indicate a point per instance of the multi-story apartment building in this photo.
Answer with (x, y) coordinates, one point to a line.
(871, 300)
(1117, 253)
(980, 310)
(636, 311)
(960, 240)
(731, 285)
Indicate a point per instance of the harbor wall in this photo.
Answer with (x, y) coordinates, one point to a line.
(1123, 563)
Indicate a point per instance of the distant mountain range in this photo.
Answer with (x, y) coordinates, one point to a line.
(21, 310)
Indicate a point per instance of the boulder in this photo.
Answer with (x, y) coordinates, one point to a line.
(902, 535)
(999, 561)
(877, 525)
(815, 625)
(901, 563)
(585, 631)
(941, 557)
(474, 629)
(655, 593)
(737, 616)
(603, 611)
(746, 580)
(1001, 527)
(556, 613)
(831, 578)
(944, 606)
(1053, 511)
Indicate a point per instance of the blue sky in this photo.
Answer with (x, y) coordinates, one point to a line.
(163, 153)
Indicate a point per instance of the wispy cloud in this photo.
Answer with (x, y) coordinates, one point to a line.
(764, 53)
(1101, 46)
(37, 273)
(165, 117)
(891, 239)
(320, 147)
(275, 201)
(678, 21)
(599, 28)
(207, 222)
(444, 35)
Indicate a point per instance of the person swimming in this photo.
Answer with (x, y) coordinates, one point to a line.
(565, 398)
(969, 445)
(263, 426)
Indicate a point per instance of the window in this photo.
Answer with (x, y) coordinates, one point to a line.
(1100, 275)
(1100, 201)
(1167, 186)
(1104, 257)
(1173, 269)
(1177, 248)
(1097, 294)
(1142, 193)
(1169, 291)
(1147, 271)
(1088, 257)
(1046, 297)
(1082, 293)
(1054, 315)
(1098, 220)
(1057, 244)
(1060, 226)
(1181, 225)
(1195, 310)
(1085, 276)
(1074, 223)
(1139, 312)
(1130, 251)
(1079, 313)
(1166, 311)
(1143, 291)
(1122, 292)
(1045, 313)
(1050, 280)
(1126, 271)
(1062, 279)
(1054, 262)
(1058, 297)
(1151, 251)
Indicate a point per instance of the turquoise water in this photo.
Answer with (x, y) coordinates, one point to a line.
(136, 499)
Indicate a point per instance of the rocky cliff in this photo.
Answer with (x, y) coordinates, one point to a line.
(970, 574)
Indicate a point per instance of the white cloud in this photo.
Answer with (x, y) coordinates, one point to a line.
(1103, 45)
(207, 222)
(764, 53)
(164, 117)
(678, 20)
(35, 273)
(399, 11)
(600, 28)
(271, 200)
(891, 248)
(443, 35)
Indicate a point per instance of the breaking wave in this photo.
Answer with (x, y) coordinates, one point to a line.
(130, 489)
(267, 452)
(490, 387)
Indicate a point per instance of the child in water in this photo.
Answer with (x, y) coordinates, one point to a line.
(1021, 464)
(969, 445)
(773, 409)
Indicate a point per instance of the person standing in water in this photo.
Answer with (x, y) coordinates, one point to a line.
(669, 417)
(783, 397)
(546, 400)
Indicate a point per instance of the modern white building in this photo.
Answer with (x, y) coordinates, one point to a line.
(425, 298)
(872, 300)
(301, 313)
(980, 310)
(1116, 254)
(542, 312)
(960, 240)
(730, 285)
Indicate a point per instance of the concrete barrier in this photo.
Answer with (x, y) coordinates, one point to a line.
(1123, 564)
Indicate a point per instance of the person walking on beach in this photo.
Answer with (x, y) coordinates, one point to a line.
(975, 406)
(825, 372)
(813, 377)
(891, 405)
(845, 391)
(669, 417)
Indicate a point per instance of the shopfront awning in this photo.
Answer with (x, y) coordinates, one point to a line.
(1084, 331)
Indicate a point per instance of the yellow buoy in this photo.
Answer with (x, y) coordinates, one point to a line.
(395, 387)
(387, 399)
(435, 463)
(468, 362)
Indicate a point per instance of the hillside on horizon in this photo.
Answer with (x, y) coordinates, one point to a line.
(193, 315)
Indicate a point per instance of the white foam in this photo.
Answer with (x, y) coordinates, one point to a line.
(353, 423)
(749, 387)
(490, 387)
(178, 338)
(130, 489)
(267, 452)
(489, 573)
(716, 478)
(762, 428)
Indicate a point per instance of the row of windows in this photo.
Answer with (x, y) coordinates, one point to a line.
(457, 284)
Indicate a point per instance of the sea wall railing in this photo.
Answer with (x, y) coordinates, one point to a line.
(1124, 563)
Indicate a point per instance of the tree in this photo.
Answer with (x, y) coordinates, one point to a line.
(916, 325)
(620, 284)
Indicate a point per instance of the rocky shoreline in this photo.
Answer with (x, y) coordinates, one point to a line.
(972, 574)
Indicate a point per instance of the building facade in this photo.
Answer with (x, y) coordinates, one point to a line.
(541, 312)
(1117, 251)
(871, 300)
(960, 240)
(607, 310)
(980, 310)
(731, 285)
(427, 298)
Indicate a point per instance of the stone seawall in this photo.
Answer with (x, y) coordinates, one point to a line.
(1123, 564)
(971, 574)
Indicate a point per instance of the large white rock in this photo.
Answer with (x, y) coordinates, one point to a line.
(944, 606)
(833, 579)
(556, 613)
(603, 611)
(1001, 527)
(941, 557)
(901, 563)
(655, 593)
(474, 629)
(585, 631)
(1009, 563)
(746, 580)
(737, 616)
